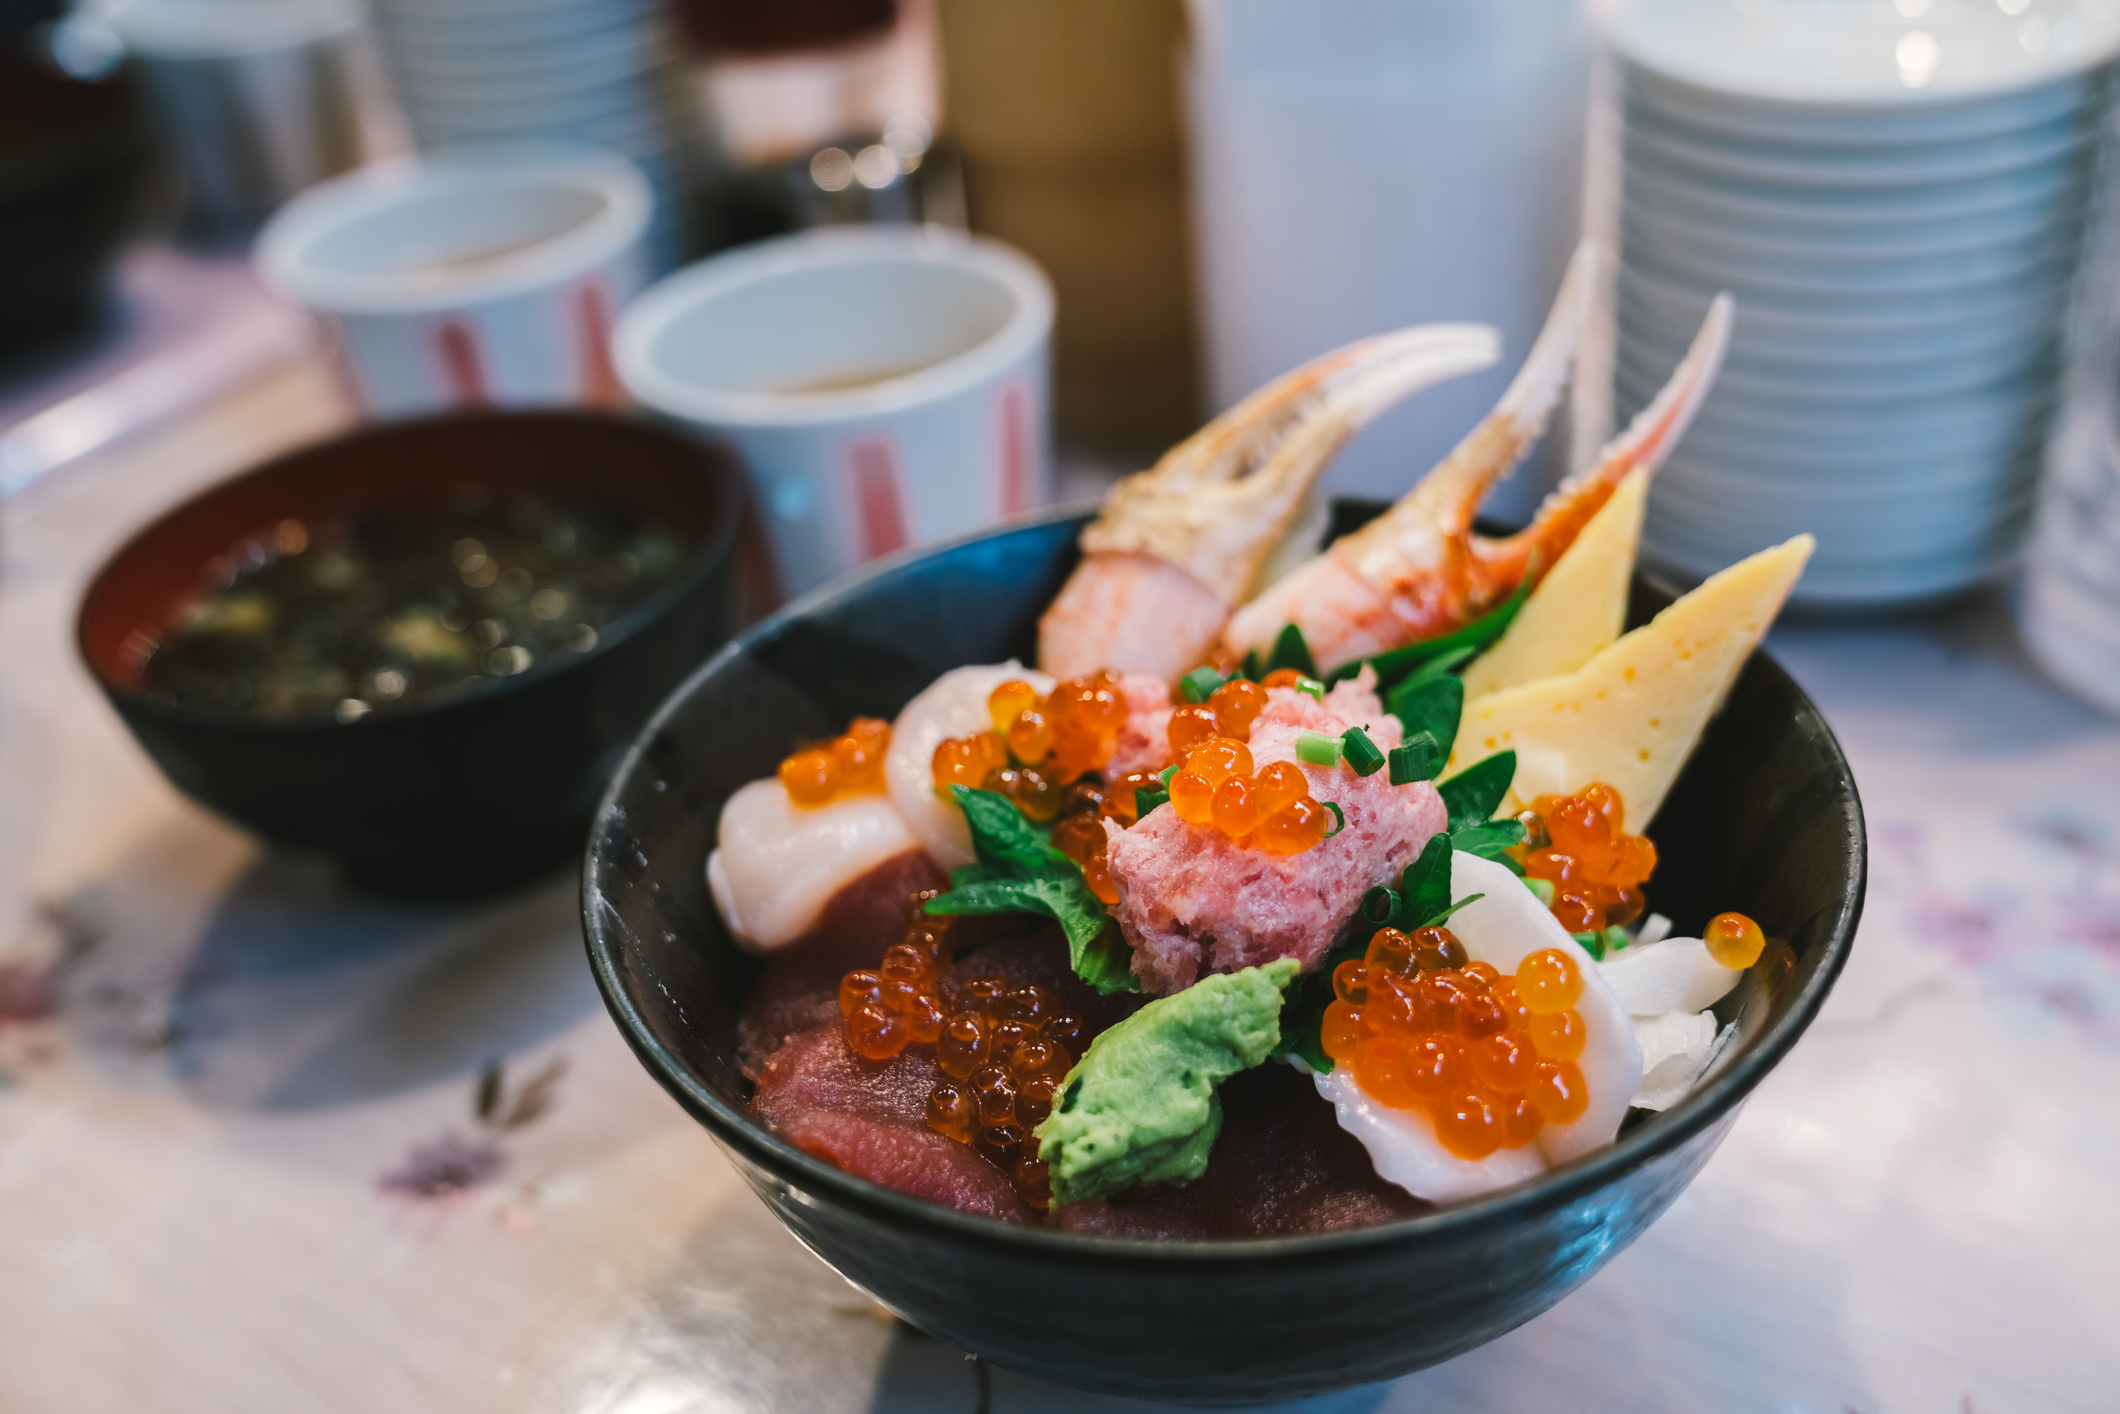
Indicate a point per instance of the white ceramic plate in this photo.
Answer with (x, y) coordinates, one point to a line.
(1645, 365)
(1814, 122)
(1814, 212)
(1691, 263)
(1659, 327)
(1865, 53)
(1852, 164)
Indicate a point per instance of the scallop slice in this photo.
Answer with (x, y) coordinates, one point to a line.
(952, 705)
(1676, 974)
(779, 863)
(1507, 926)
(1403, 1149)
(1501, 928)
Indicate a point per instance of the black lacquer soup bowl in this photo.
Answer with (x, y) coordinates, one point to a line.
(1764, 820)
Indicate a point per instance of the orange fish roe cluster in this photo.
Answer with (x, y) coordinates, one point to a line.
(899, 1002)
(1079, 832)
(1215, 784)
(1002, 1055)
(1579, 844)
(1489, 1059)
(1734, 940)
(1039, 744)
(847, 765)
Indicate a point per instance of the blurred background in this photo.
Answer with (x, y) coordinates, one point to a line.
(511, 354)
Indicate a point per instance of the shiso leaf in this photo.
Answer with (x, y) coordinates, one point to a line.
(1019, 872)
(1433, 706)
(1291, 650)
(1472, 795)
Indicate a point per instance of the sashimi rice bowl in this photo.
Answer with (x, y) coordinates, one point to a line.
(1158, 953)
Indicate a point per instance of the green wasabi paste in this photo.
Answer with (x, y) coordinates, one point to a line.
(1140, 1106)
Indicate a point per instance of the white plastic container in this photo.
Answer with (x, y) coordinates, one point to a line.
(1359, 165)
(482, 276)
(884, 386)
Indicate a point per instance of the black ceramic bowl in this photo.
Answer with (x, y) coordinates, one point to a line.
(467, 793)
(1765, 820)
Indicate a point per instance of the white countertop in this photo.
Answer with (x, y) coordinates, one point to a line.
(241, 1168)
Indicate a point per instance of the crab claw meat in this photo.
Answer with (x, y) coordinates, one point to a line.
(1418, 570)
(1180, 545)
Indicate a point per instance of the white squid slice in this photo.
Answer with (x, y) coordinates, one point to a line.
(1676, 974)
(1675, 1050)
(1501, 928)
(952, 705)
(779, 862)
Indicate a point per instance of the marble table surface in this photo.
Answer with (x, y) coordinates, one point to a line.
(269, 1146)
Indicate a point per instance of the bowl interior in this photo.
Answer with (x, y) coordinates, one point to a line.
(1764, 819)
(152, 577)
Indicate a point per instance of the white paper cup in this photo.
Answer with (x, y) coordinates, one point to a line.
(479, 277)
(884, 386)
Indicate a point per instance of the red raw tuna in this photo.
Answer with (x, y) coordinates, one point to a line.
(1192, 900)
(1144, 742)
(799, 988)
(870, 1120)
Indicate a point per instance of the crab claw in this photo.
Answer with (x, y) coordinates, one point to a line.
(1418, 570)
(1178, 546)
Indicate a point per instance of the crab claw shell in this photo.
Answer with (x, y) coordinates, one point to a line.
(1176, 547)
(1343, 599)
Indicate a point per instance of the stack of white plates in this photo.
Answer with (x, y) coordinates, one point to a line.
(604, 72)
(1896, 191)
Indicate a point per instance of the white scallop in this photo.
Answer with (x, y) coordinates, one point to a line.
(1403, 1148)
(1676, 974)
(952, 705)
(1501, 928)
(779, 863)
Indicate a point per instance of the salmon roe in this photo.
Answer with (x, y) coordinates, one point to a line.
(1579, 844)
(1039, 744)
(1001, 1050)
(1734, 940)
(1425, 1029)
(1001, 1056)
(1218, 785)
(850, 764)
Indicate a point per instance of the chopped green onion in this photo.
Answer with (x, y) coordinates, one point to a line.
(1335, 809)
(1147, 798)
(1167, 773)
(1311, 686)
(1200, 684)
(1362, 753)
(1593, 944)
(1616, 938)
(1380, 905)
(1318, 749)
(1418, 760)
(1542, 890)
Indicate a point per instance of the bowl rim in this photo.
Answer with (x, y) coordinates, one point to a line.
(713, 550)
(1711, 1103)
